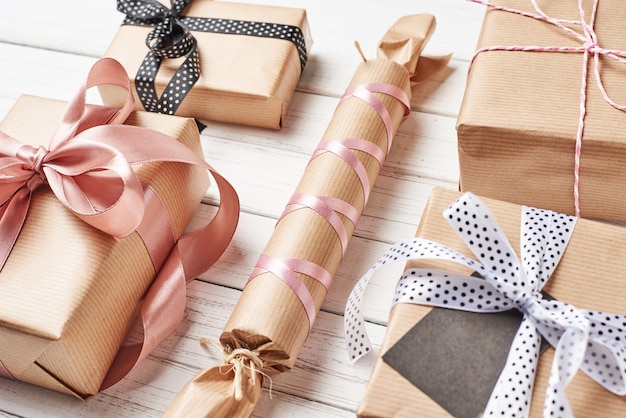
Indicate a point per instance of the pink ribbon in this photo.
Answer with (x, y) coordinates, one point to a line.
(4, 372)
(589, 46)
(93, 139)
(329, 207)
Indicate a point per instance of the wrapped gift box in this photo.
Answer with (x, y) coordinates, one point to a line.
(445, 341)
(244, 79)
(68, 292)
(519, 119)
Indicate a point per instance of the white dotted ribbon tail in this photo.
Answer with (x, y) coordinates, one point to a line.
(513, 392)
(357, 340)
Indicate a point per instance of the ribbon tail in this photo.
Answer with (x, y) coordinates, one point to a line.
(12, 217)
(200, 249)
(606, 342)
(4, 372)
(571, 346)
(513, 392)
(354, 320)
(164, 305)
(161, 311)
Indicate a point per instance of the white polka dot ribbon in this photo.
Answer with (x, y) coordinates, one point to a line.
(172, 38)
(594, 342)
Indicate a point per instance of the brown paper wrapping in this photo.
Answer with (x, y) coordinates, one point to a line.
(518, 121)
(388, 394)
(246, 80)
(69, 292)
(269, 319)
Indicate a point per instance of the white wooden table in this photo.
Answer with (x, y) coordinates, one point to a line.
(47, 48)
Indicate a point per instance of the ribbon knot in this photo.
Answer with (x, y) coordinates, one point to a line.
(34, 159)
(170, 37)
(171, 14)
(525, 300)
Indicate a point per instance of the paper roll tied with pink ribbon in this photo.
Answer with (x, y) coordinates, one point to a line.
(277, 308)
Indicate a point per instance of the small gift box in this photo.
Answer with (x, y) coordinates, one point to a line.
(473, 329)
(540, 123)
(212, 60)
(104, 212)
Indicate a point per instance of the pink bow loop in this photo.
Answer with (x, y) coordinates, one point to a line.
(96, 183)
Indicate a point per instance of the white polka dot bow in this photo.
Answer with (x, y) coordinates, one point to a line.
(594, 342)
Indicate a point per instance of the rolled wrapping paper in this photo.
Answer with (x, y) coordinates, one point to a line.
(277, 308)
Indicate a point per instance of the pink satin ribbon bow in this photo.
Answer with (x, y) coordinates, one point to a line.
(88, 167)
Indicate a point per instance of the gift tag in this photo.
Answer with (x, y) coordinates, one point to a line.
(456, 357)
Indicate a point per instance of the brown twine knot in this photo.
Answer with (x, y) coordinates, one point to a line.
(238, 359)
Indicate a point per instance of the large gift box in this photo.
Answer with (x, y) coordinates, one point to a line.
(451, 336)
(69, 292)
(247, 58)
(540, 122)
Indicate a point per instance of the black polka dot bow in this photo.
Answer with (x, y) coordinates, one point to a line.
(594, 342)
(172, 38)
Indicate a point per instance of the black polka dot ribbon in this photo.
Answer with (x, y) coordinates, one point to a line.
(172, 38)
(594, 342)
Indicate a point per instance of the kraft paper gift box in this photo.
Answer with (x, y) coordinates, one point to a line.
(69, 292)
(519, 119)
(244, 78)
(439, 362)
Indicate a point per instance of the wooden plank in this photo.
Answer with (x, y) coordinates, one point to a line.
(85, 28)
(424, 146)
(52, 74)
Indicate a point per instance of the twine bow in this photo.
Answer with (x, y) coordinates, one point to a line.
(594, 342)
(239, 359)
